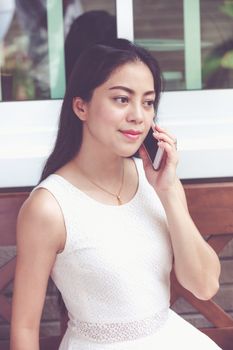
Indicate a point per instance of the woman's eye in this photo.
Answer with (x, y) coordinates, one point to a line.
(149, 103)
(122, 99)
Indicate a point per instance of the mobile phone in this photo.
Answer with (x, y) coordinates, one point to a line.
(154, 151)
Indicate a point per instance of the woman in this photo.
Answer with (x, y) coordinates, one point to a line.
(105, 224)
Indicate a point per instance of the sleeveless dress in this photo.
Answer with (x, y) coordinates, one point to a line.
(114, 273)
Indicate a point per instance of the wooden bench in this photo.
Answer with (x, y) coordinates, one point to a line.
(210, 205)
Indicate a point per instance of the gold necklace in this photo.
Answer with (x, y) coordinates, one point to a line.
(116, 195)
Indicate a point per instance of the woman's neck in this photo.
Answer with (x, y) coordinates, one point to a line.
(108, 179)
(99, 167)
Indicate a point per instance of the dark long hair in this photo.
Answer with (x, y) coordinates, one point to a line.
(92, 69)
(92, 27)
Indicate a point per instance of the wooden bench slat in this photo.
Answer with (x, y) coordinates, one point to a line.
(219, 242)
(7, 273)
(222, 336)
(213, 312)
(5, 308)
(210, 205)
(50, 343)
(10, 204)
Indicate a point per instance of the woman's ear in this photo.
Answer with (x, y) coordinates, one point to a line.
(80, 108)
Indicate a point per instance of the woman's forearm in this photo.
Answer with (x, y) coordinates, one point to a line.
(24, 339)
(196, 264)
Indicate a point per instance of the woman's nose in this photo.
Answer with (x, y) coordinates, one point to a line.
(135, 114)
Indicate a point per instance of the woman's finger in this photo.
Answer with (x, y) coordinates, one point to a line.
(169, 150)
(166, 138)
(158, 129)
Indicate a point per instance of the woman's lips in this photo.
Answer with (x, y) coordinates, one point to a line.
(131, 134)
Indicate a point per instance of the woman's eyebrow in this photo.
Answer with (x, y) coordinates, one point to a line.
(130, 91)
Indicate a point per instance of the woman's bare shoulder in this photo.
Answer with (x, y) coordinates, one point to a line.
(40, 215)
(42, 204)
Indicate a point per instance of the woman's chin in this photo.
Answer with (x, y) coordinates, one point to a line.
(130, 153)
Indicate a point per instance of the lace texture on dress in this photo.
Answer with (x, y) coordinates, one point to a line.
(122, 331)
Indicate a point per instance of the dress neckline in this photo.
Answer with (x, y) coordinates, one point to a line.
(95, 201)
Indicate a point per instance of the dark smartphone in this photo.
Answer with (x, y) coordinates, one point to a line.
(154, 151)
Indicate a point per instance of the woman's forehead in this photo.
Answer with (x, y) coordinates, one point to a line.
(131, 72)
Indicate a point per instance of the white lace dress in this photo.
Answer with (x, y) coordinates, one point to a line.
(114, 273)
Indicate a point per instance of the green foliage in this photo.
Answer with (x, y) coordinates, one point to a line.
(210, 66)
(227, 8)
(227, 60)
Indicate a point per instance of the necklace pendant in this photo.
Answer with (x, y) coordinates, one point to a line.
(119, 200)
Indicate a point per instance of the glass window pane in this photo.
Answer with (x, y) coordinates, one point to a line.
(192, 40)
(158, 26)
(217, 32)
(32, 36)
(24, 51)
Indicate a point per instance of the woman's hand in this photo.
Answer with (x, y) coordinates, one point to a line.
(164, 178)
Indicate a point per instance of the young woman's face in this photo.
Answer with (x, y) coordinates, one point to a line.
(121, 110)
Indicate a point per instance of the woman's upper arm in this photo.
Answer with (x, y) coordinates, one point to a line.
(40, 235)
